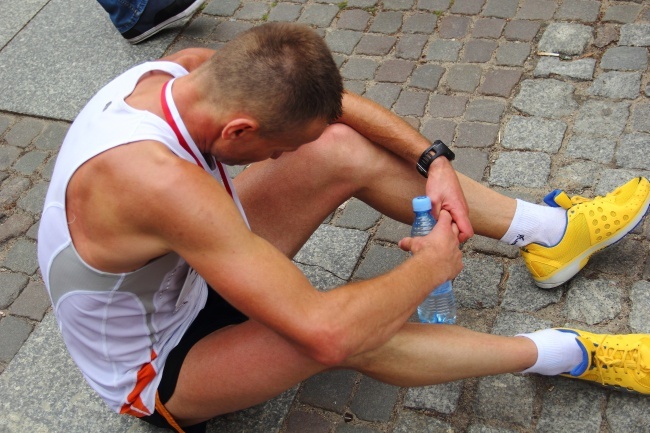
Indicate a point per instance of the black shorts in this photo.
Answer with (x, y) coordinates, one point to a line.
(216, 314)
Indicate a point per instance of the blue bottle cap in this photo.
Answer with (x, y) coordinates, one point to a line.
(421, 204)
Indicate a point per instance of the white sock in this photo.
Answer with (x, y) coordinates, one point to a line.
(536, 223)
(557, 352)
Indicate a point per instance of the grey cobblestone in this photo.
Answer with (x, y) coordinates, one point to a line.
(477, 285)
(384, 94)
(343, 41)
(616, 85)
(410, 46)
(593, 148)
(285, 12)
(640, 297)
(474, 134)
(582, 307)
(507, 398)
(479, 50)
(467, 7)
(453, 27)
(15, 225)
(546, 98)
(566, 38)
(23, 132)
(534, 133)
(427, 76)
(359, 69)
(387, 22)
(488, 28)
(222, 8)
(530, 169)
(537, 9)
(411, 103)
(641, 117)
(32, 303)
(463, 78)
(485, 110)
(632, 151)
(375, 45)
(318, 15)
(8, 156)
(512, 53)
(622, 13)
(521, 30)
(374, 400)
(13, 333)
(442, 398)
(379, 260)
(582, 69)
(500, 82)
(447, 106)
(422, 22)
(522, 295)
(635, 35)
(597, 118)
(625, 59)
(501, 8)
(355, 19)
(409, 421)
(11, 283)
(579, 10)
(575, 176)
(569, 405)
(394, 71)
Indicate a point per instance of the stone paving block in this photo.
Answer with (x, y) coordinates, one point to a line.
(13, 333)
(635, 35)
(11, 189)
(343, 41)
(15, 225)
(641, 117)
(507, 398)
(11, 284)
(252, 11)
(600, 118)
(454, 27)
(392, 231)
(516, 323)
(409, 422)
(579, 10)
(471, 162)
(28, 163)
(5, 122)
(527, 169)
(633, 151)
(616, 85)
(490, 246)
(490, 28)
(611, 179)
(447, 106)
(463, 78)
(565, 38)
(227, 30)
(537, 9)
(21, 257)
(379, 260)
(422, 22)
(402, 5)
(474, 134)
(512, 53)
(201, 27)
(375, 45)
(357, 215)
(522, 295)
(477, 285)
(576, 176)
(479, 428)
(349, 428)
(467, 7)
(330, 390)
(48, 169)
(568, 408)
(359, 69)
(627, 412)
(605, 35)
(581, 69)
(444, 50)
(285, 12)
(34, 199)
(23, 132)
(434, 5)
(625, 59)
(387, 22)
(299, 421)
(334, 249)
(640, 298)
(15, 16)
(597, 149)
(442, 398)
(593, 301)
(411, 103)
(320, 278)
(427, 76)
(320, 15)
(546, 98)
(622, 13)
(534, 133)
(501, 8)
(439, 129)
(500, 82)
(222, 7)
(8, 156)
(622, 258)
(410, 46)
(33, 302)
(485, 110)
(521, 30)
(362, 3)
(479, 50)
(354, 19)
(374, 400)
(52, 136)
(394, 71)
(385, 94)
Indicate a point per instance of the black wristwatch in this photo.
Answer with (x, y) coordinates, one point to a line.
(438, 148)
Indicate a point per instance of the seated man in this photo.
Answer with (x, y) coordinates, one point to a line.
(174, 288)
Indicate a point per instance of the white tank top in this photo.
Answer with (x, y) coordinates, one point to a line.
(119, 328)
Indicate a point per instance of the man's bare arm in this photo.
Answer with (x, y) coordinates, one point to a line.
(390, 131)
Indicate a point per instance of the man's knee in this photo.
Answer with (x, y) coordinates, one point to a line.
(342, 148)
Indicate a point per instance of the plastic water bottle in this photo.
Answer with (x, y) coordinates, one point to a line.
(440, 305)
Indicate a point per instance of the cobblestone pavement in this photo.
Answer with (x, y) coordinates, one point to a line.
(473, 73)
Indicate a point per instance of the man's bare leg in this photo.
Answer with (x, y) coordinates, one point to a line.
(244, 365)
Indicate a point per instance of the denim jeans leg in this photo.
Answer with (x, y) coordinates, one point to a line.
(124, 13)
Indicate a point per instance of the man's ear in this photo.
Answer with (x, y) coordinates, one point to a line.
(238, 127)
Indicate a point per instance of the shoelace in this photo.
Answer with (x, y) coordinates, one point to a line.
(610, 357)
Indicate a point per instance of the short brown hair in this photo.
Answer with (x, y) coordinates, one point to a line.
(282, 74)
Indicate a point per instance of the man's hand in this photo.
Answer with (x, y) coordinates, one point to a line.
(443, 256)
(445, 193)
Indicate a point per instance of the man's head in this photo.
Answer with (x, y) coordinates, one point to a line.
(281, 74)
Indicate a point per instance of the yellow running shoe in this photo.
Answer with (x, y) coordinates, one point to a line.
(616, 361)
(591, 226)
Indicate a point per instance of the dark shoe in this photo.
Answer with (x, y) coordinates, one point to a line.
(157, 16)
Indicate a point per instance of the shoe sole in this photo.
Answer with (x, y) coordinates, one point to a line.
(574, 266)
(149, 33)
